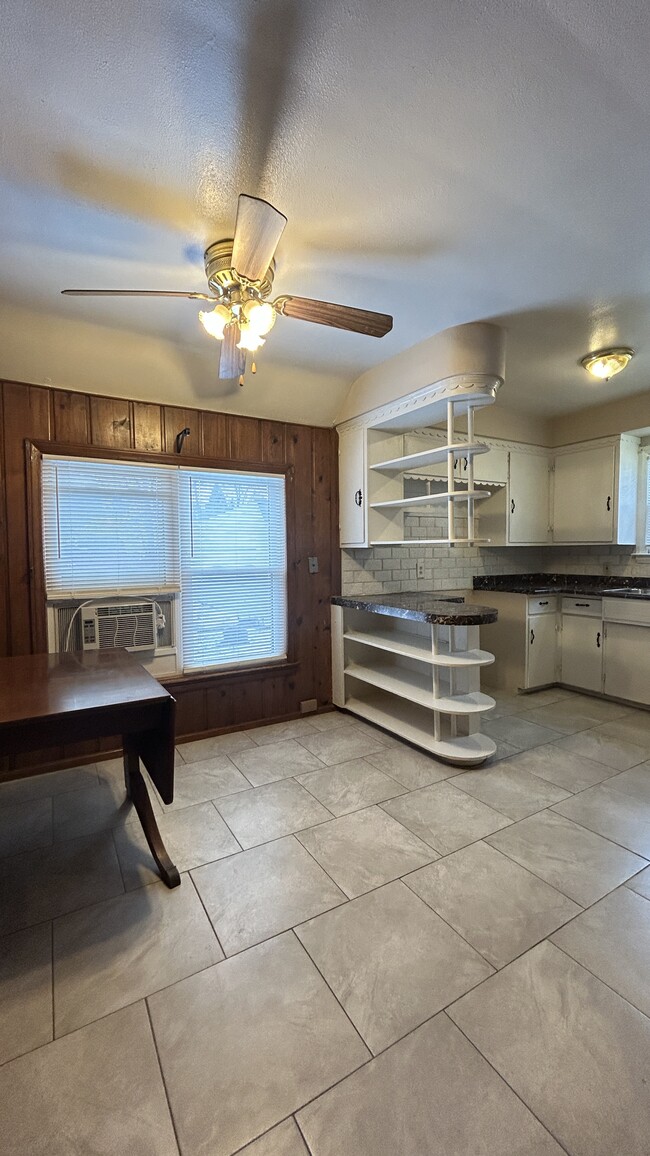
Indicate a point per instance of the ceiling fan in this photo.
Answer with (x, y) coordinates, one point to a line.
(240, 273)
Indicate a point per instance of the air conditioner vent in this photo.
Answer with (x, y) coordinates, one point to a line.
(131, 625)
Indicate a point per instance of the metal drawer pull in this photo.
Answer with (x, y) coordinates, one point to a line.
(587, 604)
(544, 603)
(598, 639)
(609, 503)
(512, 506)
(532, 637)
(358, 497)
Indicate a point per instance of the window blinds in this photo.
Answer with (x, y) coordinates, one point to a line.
(646, 540)
(109, 528)
(233, 568)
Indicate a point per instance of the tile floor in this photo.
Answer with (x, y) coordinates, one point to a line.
(370, 954)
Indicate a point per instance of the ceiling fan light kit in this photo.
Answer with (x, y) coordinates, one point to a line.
(605, 363)
(240, 273)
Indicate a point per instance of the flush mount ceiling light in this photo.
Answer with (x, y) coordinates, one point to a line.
(606, 362)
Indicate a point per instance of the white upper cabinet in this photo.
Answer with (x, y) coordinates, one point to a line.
(353, 519)
(594, 492)
(528, 501)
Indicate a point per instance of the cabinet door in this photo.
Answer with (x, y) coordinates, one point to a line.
(353, 520)
(582, 651)
(583, 495)
(627, 661)
(541, 664)
(528, 498)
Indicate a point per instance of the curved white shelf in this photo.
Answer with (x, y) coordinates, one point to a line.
(431, 499)
(409, 684)
(473, 703)
(430, 457)
(410, 722)
(396, 642)
(463, 658)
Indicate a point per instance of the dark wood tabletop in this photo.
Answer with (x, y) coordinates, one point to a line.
(51, 699)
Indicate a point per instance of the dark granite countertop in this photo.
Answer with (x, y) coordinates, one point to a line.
(439, 608)
(587, 585)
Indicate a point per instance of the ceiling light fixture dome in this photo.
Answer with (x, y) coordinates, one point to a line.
(604, 363)
(214, 322)
(249, 339)
(260, 316)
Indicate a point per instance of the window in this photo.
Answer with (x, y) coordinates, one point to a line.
(216, 536)
(644, 501)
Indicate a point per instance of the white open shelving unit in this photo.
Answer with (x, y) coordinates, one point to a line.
(419, 680)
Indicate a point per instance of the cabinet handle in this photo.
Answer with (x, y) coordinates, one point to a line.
(358, 497)
(544, 603)
(609, 503)
(587, 604)
(512, 506)
(465, 466)
(532, 637)
(598, 640)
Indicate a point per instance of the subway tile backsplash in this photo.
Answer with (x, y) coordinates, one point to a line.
(391, 569)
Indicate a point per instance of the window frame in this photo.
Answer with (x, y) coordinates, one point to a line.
(34, 451)
(642, 549)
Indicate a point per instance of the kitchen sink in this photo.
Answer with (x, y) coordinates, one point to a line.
(627, 590)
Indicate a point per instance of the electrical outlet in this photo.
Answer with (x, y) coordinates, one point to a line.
(313, 565)
(419, 569)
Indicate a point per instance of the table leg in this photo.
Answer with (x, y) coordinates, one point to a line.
(136, 790)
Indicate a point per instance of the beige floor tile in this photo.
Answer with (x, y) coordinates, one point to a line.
(343, 744)
(79, 813)
(641, 883)
(263, 1030)
(634, 728)
(612, 940)
(350, 786)
(391, 962)
(39, 885)
(601, 709)
(507, 704)
(284, 1140)
(613, 814)
(25, 991)
(576, 1053)
(329, 720)
(25, 826)
(198, 782)
(201, 749)
(44, 786)
(564, 769)
(264, 891)
(97, 1091)
(274, 761)
(517, 732)
(431, 1094)
(503, 751)
(444, 817)
(616, 753)
(561, 716)
(116, 952)
(365, 849)
(635, 783)
(281, 731)
(496, 905)
(577, 862)
(411, 768)
(510, 789)
(271, 811)
(192, 836)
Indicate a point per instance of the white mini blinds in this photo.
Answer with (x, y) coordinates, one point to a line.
(218, 536)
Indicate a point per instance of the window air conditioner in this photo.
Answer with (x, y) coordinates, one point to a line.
(131, 625)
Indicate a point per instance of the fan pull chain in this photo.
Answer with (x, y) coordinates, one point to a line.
(241, 379)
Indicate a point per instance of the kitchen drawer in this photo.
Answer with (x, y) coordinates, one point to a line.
(633, 610)
(592, 607)
(545, 604)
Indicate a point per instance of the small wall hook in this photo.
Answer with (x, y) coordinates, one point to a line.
(180, 438)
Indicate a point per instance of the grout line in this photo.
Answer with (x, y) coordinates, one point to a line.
(333, 993)
(599, 978)
(607, 838)
(207, 916)
(162, 1074)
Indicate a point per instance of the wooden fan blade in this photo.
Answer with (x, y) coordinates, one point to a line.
(258, 229)
(232, 362)
(135, 293)
(338, 316)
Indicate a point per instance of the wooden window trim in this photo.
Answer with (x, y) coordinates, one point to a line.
(34, 451)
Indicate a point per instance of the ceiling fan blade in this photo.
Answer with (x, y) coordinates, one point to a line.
(338, 316)
(232, 362)
(258, 229)
(135, 293)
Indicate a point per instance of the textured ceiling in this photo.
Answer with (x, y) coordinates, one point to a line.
(443, 160)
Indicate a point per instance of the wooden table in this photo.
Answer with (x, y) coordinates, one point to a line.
(52, 699)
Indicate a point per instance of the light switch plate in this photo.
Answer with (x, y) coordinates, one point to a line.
(313, 565)
(419, 569)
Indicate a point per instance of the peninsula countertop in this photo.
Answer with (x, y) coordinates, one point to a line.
(440, 608)
(585, 585)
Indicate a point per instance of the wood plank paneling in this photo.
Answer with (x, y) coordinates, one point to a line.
(147, 429)
(175, 420)
(221, 702)
(26, 415)
(111, 422)
(70, 417)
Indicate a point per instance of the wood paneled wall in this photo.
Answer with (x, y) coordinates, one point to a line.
(211, 703)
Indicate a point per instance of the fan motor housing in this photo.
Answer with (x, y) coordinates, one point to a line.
(221, 276)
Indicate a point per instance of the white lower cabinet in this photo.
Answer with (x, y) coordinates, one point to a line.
(541, 663)
(582, 652)
(627, 662)
(419, 680)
